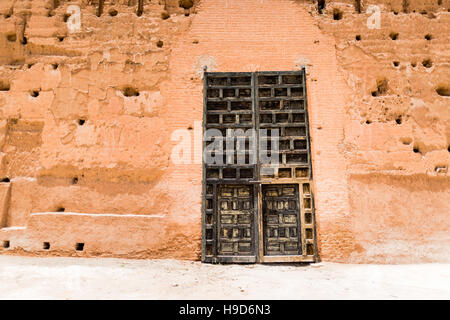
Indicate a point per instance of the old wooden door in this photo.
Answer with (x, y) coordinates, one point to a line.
(257, 178)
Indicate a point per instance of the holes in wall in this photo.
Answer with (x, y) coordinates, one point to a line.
(396, 63)
(393, 35)
(6, 244)
(75, 180)
(46, 245)
(130, 92)
(60, 38)
(34, 93)
(165, 15)
(406, 140)
(382, 88)
(112, 12)
(79, 246)
(320, 6)
(428, 37)
(441, 169)
(24, 41)
(398, 120)
(55, 66)
(81, 122)
(66, 17)
(185, 4)
(416, 149)
(5, 180)
(337, 14)
(11, 37)
(4, 85)
(427, 63)
(405, 6)
(159, 44)
(358, 37)
(358, 6)
(413, 64)
(443, 91)
(368, 121)
(60, 209)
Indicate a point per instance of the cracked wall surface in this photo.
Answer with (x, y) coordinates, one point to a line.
(87, 117)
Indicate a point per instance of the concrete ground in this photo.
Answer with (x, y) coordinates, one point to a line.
(104, 278)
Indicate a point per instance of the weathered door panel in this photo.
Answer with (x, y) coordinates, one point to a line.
(281, 219)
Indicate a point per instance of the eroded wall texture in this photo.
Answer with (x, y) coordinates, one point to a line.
(87, 121)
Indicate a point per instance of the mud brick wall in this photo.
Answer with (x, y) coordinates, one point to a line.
(87, 121)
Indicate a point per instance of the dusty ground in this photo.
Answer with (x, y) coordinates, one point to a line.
(78, 278)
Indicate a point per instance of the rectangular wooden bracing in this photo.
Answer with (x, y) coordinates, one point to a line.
(257, 199)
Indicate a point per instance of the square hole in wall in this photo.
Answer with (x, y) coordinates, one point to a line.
(46, 246)
(6, 244)
(79, 246)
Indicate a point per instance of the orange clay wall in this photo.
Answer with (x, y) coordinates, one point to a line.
(87, 121)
